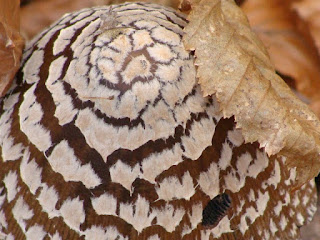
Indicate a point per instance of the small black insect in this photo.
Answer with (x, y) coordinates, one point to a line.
(215, 210)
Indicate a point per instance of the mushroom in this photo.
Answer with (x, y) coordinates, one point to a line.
(106, 135)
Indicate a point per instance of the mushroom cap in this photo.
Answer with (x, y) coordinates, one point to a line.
(106, 135)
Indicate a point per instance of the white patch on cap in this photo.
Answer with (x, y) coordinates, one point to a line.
(138, 215)
(283, 222)
(200, 138)
(222, 227)
(107, 69)
(144, 92)
(73, 213)
(277, 209)
(106, 52)
(122, 43)
(5, 125)
(172, 188)
(291, 213)
(251, 196)
(147, 24)
(64, 107)
(235, 137)
(266, 234)
(127, 106)
(226, 156)
(65, 111)
(3, 197)
(240, 206)
(160, 120)
(10, 150)
(311, 211)
(195, 216)
(300, 219)
(205, 234)
(168, 217)
(253, 213)
(141, 39)
(64, 37)
(100, 233)
(296, 200)
(232, 182)
(137, 67)
(35, 233)
(273, 227)
(86, 37)
(96, 130)
(9, 102)
(21, 212)
(30, 172)
(294, 230)
(31, 68)
(182, 113)
(3, 221)
(56, 236)
(186, 230)
(243, 226)
(31, 113)
(156, 163)
(10, 181)
(164, 35)
(161, 53)
(154, 237)
(48, 199)
(81, 15)
(196, 103)
(75, 79)
(262, 202)
(63, 161)
(243, 163)
(275, 177)
(209, 181)
(8, 237)
(124, 174)
(43, 41)
(292, 177)
(287, 198)
(105, 204)
(259, 164)
(169, 73)
(305, 200)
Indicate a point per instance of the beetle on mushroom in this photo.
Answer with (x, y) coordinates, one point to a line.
(109, 136)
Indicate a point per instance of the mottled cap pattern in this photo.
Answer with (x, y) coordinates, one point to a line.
(106, 135)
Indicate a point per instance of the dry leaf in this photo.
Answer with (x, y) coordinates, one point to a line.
(39, 14)
(11, 43)
(291, 51)
(309, 11)
(234, 65)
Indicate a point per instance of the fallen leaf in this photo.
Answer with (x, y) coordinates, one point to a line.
(290, 50)
(234, 65)
(39, 14)
(309, 11)
(11, 43)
